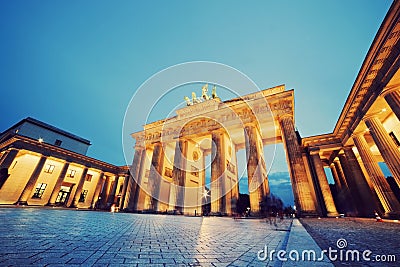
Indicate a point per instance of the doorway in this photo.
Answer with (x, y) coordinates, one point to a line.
(63, 195)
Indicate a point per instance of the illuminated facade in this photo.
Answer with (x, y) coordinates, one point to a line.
(43, 165)
(367, 132)
(170, 154)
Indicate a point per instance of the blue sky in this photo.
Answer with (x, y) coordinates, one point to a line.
(76, 64)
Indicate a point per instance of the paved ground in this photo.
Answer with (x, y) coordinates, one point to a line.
(382, 238)
(52, 237)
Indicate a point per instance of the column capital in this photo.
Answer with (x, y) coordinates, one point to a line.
(347, 148)
(285, 115)
(373, 115)
(336, 159)
(358, 133)
(390, 89)
(314, 150)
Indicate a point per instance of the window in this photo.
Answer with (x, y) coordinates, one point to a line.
(49, 168)
(71, 173)
(395, 140)
(88, 177)
(168, 172)
(82, 198)
(39, 190)
(57, 142)
(194, 171)
(230, 167)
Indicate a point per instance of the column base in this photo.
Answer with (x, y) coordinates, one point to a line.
(307, 214)
(332, 214)
(392, 215)
(21, 203)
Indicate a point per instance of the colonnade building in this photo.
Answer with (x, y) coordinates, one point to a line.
(43, 165)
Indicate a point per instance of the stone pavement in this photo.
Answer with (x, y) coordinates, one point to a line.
(59, 237)
(381, 238)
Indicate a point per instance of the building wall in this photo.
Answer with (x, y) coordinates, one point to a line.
(23, 166)
(34, 131)
(48, 178)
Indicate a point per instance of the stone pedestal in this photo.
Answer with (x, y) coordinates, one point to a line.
(381, 186)
(386, 146)
(301, 188)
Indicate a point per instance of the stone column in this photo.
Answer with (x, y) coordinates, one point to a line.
(104, 193)
(392, 97)
(79, 188)
(358, 185)
(179, 175)
(255, 167)
(323, 184)
(5, 163)
(124, 191)
(57, 186)
(345, 199)
(217, 173)
(8, 158)
(386, 146)
(235, 187)
(155, 177)
(134, 179)
(339, 169)
(301, 188)
(335, 177)
(139, 193)
(26, 193)
(97, 191)
(111, 197)
(382, 188)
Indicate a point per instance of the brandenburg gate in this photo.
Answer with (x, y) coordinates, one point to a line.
(169, 161)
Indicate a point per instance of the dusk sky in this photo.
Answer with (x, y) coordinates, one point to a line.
(76, 64)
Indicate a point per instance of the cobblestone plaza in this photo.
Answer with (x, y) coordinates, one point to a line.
(51, 237)
(60, 237)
